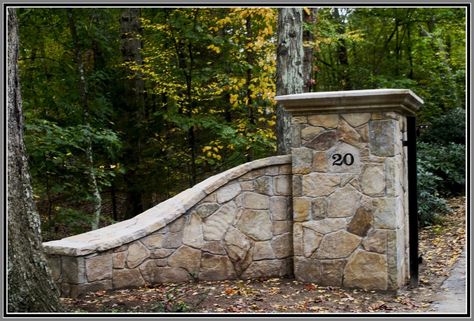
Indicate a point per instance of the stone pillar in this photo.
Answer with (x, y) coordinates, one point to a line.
(350, 186)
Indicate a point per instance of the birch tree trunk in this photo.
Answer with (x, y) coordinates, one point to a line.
(83, 91)
(30, 286)
(290, 79)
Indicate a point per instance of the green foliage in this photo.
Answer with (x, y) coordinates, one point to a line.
(448, 128)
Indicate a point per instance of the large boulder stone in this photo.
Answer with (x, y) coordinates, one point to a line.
(265, 268)
(311, 241)
(137, 253)
(366, 270)
(228, 192)
(187, 258)
(216, 267)
(192, 234)
(317, 184)
(127, 278)
(326, 121)
(255, 201)
(216, 225)
(256, 224)
(343, 202)
(337, 245)
(282, 245)
(327, 225)
(99, 267)
(372, 180)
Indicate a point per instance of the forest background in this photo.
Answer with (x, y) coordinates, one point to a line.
(125, 108)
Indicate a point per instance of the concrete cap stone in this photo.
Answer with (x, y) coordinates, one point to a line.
(403, 101)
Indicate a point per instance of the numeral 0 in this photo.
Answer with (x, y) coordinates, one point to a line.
(347, 159)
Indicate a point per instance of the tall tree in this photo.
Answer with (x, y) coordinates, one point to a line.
(30, 286)
(290, 76)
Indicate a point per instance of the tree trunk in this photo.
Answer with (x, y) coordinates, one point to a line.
(134, 101)
(290, 79)
(83, 92)
(30, 286)
(309, 18)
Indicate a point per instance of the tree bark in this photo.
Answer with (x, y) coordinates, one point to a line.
(30, 286)
(290, 79)
(134, 101)
(309, 17)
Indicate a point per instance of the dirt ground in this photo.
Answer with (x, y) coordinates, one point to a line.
(440, 246)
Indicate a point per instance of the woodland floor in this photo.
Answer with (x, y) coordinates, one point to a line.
(440, 246)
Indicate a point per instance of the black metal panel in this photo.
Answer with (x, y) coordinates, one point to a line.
(412, 200)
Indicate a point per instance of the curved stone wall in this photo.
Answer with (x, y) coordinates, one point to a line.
(236, 224)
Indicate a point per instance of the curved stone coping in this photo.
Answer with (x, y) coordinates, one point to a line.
(153, 219)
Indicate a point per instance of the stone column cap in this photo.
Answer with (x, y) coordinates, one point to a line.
(403, 101)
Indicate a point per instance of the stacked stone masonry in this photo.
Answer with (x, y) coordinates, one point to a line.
(241, 229)
(347, 217)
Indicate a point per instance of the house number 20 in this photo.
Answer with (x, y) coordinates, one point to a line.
(346, 159)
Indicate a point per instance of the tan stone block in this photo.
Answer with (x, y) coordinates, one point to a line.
(281, 227)
(246, 185)
(372, 180)
(320, 162)
(265, 268)
(256, 224)
(99, 267)
(319, 208)
(332, 272)
(343, 202)
(279, 208)
(216, 267)
(136, 254)
(256, 201)
(356, 119)
(307, 270)
(337, 245)
(282, 245)
(309, 132)
(317, 184)
(311, 241)
(214, 226)
(263, 250)
(298, 239)
(187, 258)
(228, 192)
(127, 278)
(326, 121)
(161, 253)
(327, 225)
(282, 185)
(301, 209)
(177, 225)
(237, 244)
(214, 247)
(302, 159)
(192, 234)
(272, 170)
(366, 270)
(119, 259)
(348, 134)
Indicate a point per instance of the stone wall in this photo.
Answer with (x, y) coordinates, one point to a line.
(350, 192)
(233, 225)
